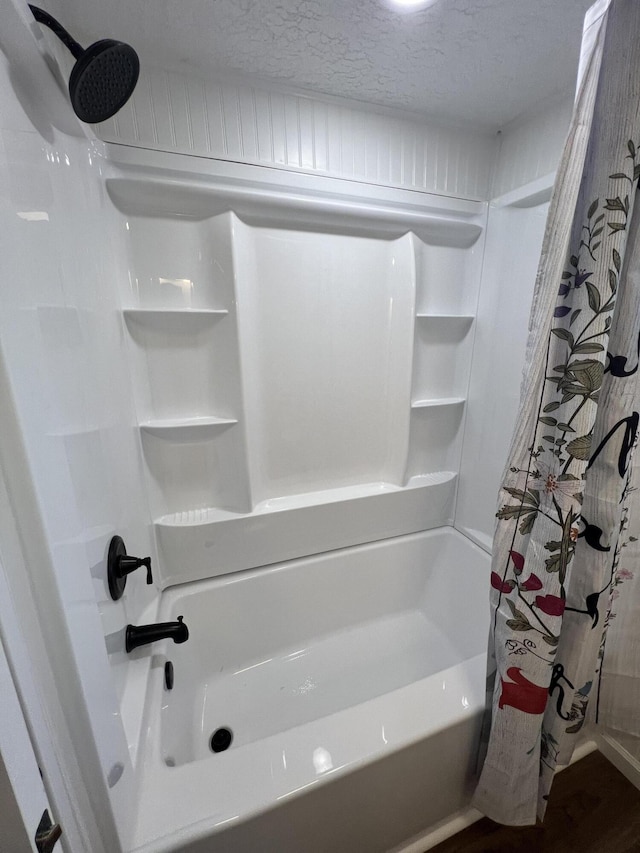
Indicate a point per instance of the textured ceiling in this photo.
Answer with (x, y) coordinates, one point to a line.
(478, 61)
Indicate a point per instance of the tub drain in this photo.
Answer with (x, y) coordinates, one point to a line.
(221, 740)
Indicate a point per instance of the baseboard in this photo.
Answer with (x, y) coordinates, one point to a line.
(621, 759)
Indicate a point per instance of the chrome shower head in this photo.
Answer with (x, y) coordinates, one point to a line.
(104, 76)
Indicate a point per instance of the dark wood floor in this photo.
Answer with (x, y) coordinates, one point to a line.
(592, 809)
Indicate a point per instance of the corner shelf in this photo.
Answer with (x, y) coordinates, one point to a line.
(466, 318)
(151, 314)
(436, 402)
(441, 356)
(185, 429)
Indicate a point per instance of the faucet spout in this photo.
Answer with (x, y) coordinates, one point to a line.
(141, 635)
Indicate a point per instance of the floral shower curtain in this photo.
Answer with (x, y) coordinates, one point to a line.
(565, 638)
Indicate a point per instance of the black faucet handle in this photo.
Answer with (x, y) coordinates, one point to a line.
(127, 564)
(120, 564)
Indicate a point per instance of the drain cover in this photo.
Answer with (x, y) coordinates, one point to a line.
(221, 739)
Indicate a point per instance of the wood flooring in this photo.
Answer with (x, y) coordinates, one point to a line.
(592, 809)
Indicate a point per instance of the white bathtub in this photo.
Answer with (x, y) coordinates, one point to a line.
(353, 683)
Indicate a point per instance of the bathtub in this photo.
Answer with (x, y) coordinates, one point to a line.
(352, 684)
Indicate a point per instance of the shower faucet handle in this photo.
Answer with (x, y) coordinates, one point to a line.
(120, 565)
(127, 564)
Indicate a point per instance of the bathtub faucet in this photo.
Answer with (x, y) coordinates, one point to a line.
(140, 635)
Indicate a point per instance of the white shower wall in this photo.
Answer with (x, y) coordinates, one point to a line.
(514, 238)
(300, 360)
(87, 361)
(70, 401)
(528, 153)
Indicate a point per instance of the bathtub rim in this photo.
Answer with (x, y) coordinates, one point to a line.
(174, 592)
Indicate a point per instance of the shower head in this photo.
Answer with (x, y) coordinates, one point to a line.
(103, 79)
(104, 76)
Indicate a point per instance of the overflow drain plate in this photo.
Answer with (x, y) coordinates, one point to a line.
(221, 739)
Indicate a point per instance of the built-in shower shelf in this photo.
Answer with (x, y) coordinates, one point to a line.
(455, 223)
(447, 318)
(209, 515)
(152, 316)
(436, 402)
(185, 429)
(219, 541)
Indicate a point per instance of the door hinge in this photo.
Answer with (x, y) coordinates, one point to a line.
(47, 833)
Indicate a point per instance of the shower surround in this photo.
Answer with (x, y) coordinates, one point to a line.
(300, 354)
(300, 361)
(300, 364)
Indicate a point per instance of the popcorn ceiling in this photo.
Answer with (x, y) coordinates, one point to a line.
(480, 61)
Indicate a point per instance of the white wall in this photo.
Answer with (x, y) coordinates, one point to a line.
(529, 153)
(61, 342)
(228, 118)
(231, 120)
(514, 239)
(530, 146)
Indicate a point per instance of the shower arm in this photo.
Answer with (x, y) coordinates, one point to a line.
(43, 17)
(104, 75)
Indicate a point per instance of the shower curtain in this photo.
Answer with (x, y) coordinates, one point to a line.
(565, 634)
